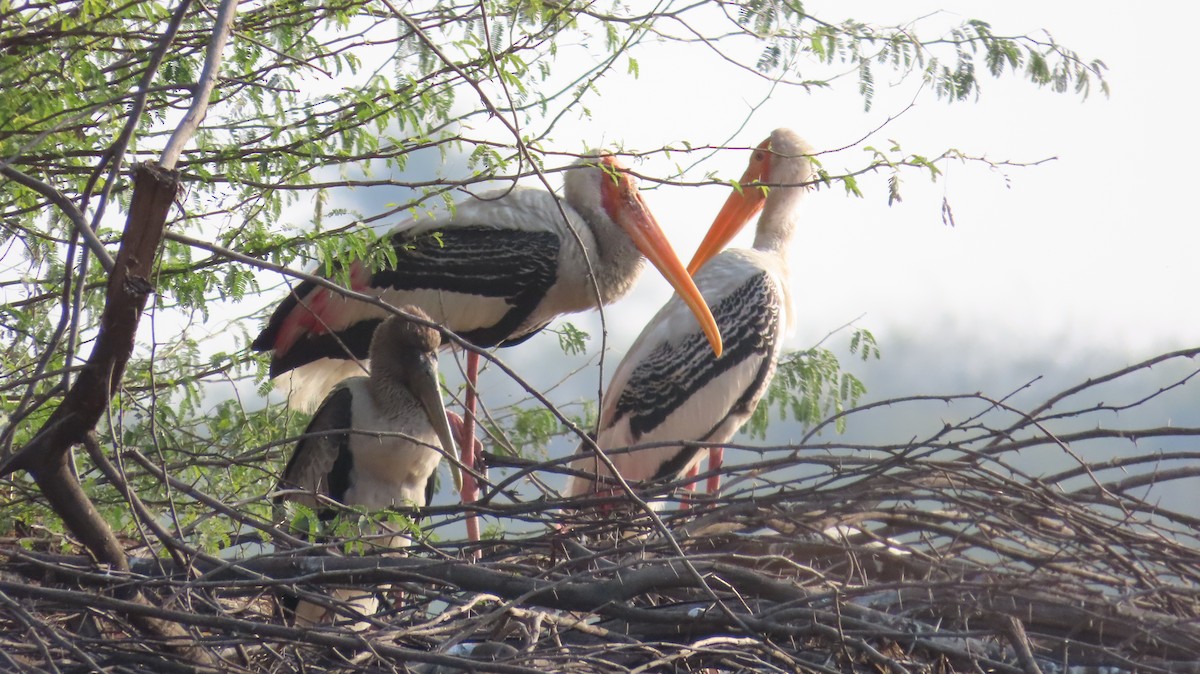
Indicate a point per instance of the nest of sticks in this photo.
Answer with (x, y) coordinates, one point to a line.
(941, 553)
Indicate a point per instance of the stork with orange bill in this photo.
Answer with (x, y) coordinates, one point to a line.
(669, 388)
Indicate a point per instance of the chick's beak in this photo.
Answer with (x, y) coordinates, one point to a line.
(425, 387)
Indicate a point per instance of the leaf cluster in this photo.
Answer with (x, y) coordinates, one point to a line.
(810, 385)
(794, 40)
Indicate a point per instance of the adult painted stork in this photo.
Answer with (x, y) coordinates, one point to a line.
(496, 270)
(669, 388)
(372, 442)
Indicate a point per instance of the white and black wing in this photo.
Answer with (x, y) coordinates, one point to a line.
(480, 281)
(505, 271)
(481, 272)
(670, 388)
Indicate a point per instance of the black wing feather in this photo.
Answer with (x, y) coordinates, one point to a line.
(518, 266)
(748, 319)
(323, 464)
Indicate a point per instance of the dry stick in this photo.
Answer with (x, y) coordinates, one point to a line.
(1096, 433)
(1149, 363)
(1020, 643)
(33, 625)
(913, 601)
(567, 594)
(261, 630)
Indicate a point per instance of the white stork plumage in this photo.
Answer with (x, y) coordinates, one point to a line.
(669, 387)
(497, 270)
(392, 421)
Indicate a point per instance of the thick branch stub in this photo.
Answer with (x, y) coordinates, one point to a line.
(129, 289)
(46, 456)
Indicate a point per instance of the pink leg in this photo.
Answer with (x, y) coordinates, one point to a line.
(716, 457)
(468, 443)
(470, 458)
(685, 501)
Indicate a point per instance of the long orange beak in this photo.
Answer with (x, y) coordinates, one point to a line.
(643, 229)
(744, 203)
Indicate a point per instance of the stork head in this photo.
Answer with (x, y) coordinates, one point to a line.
(606, 180)
(405, 352)
(398, 336)
(778, 168)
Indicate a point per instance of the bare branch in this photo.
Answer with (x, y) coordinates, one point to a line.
(222, 27)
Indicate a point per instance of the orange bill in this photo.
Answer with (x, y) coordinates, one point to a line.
(643, 229)
(743, 204)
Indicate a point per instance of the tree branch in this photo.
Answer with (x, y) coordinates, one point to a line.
(68, 208)
(208, 79)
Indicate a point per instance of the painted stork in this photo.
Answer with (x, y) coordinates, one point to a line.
(496, 270)
(390, 423)
(669, 387)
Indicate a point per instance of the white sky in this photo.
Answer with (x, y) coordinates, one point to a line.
(1095, 251)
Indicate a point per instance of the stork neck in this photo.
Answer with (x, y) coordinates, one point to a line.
(777, 223)
(615, 261)
(387, 387)
(619, 263)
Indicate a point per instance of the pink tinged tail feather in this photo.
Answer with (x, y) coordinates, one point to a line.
(327, 325)
(318, 313)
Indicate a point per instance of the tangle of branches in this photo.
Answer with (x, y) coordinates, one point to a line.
(933, 554)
